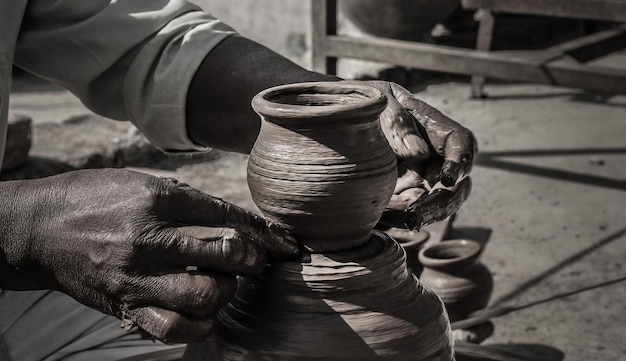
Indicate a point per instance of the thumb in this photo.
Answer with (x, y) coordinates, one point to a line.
(168, 326)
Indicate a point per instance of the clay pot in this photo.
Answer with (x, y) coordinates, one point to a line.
(412, 242)
(362, 304)
(410, 20)
(453, 270)
(321, 166)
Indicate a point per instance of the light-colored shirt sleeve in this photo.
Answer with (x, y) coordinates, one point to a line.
(125, 59)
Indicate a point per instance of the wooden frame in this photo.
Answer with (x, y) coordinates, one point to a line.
(562, 65)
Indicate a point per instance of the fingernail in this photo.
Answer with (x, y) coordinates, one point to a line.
(449, 173)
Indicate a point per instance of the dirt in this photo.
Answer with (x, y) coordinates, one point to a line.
(548, 202)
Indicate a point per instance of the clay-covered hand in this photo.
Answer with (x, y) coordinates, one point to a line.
(434, 154)
(120, 242)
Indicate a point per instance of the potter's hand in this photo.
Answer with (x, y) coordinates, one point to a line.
(434, 154)
(116, 241)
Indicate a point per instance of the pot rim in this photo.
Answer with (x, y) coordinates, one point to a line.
(457, 252)
(373, 102)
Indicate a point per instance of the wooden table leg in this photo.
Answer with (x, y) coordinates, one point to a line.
(483, 43)
(324, 20)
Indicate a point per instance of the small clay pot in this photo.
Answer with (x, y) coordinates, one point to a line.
(453, 270)
(412, 242)
(321, 166)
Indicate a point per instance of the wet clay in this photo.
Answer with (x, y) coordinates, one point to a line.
(361, 304)
(322, 168)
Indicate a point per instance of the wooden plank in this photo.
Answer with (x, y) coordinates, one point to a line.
(436, 58)
(593, 46)
(582, 49)
(483, 43)
(318, 35)
(602, 80)
(324, 20)
(474, 62)
(606, 10)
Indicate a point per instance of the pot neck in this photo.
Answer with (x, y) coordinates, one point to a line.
(319, 103)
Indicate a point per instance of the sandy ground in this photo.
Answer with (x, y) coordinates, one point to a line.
(549, 192)
(549, 197)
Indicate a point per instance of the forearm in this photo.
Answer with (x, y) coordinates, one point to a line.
(219, 114)
(17, 209)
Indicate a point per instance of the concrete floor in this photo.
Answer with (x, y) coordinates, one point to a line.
(549, 200)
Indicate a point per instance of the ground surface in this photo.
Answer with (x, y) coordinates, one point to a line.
(549, 199)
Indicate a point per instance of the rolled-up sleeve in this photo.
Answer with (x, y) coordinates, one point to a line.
(125, 59)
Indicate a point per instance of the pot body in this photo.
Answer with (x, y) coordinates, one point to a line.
(453, 270)
(410, 20)
(321, 166)
(361, 304)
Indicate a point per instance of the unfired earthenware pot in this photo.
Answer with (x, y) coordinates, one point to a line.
(412, 241)
(453, 270)
(322, 168)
